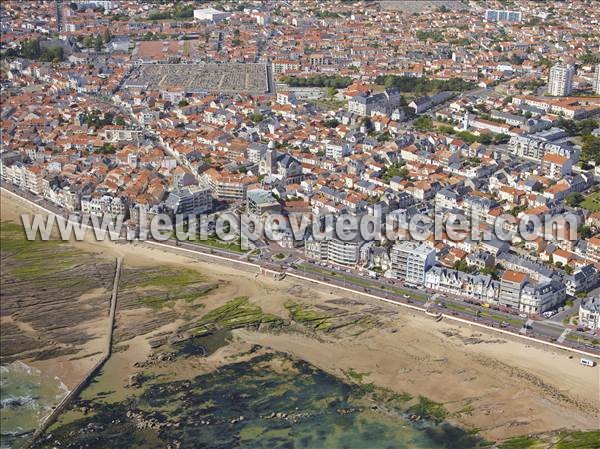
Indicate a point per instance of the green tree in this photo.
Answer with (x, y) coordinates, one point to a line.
(584, 231)
(574, 199)
(394, 170)
(331, 123)
(461, 265)
(107, 35)
(423, 123)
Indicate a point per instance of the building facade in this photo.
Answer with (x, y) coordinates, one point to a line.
(411, 260)
(589, 313)
(560, 80)
(190, 200)
(502, 15)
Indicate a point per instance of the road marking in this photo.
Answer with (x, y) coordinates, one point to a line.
(526, 326)
(564, 334)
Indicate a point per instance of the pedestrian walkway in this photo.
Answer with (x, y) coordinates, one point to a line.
(526, 327)
(563, 336)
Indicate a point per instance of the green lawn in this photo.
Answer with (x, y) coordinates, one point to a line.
(214, 242)
(592, 202)
(364, 282)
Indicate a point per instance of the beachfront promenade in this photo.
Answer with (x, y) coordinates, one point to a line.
(330, 281)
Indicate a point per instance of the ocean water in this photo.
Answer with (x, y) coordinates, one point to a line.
(270, 401)
(26, 397)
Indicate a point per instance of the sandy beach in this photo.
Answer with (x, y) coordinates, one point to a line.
(500, 385)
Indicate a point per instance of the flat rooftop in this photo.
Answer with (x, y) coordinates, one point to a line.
(227, 77)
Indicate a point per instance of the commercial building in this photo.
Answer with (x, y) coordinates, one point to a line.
(411, 260)
(210, 15)
(597, 80)
(560, 80)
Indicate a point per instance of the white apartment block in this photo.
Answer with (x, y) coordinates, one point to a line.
(560, 81)
(411, 260)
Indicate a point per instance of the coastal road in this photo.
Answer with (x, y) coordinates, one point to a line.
(403, 296)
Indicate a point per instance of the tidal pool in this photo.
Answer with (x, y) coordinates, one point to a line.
(270, 401)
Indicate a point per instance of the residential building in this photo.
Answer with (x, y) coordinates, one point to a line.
(589, 313)
(481, 288)
(190, 200)
(228, 186)
(560, 80)
(537, 298)
(332, 249)
(259, 202)
(502, 15)
(511, 285)
(582, 280)
(411, 260)
(383, 103)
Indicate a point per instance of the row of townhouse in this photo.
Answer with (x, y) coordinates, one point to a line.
(514, 290)
(570, 107)
(101, 205)
(31, 178)
(536, 147)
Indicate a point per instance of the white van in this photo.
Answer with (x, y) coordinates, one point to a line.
(587, 362)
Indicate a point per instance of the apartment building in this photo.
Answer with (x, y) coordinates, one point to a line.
(121, 135)
(383, 103)
(502, 15)
(481, 288)
(582, 280)
(411, 260)
(280, 66)
(228, 186)
(332, 249)
(511, 284)
(190, 200)
(259, 202)
(537, 298)
(25, 177)
(336, 149)
(536, 147)
(560, 80)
